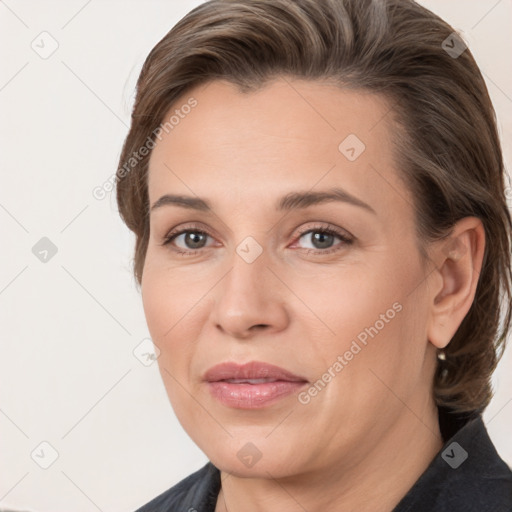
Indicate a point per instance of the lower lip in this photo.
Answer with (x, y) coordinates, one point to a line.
(252, 396)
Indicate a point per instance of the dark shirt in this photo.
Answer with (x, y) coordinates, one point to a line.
(467, 475)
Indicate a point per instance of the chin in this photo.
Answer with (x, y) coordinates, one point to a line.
(256, 459)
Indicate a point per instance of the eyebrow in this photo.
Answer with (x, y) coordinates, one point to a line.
(291, 201)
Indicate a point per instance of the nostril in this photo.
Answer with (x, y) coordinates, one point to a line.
(258, 326)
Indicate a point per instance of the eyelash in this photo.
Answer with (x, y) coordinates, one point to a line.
(329, 230)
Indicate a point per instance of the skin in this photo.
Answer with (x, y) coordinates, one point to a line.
(366, 437)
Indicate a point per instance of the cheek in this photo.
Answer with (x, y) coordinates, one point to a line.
(167, 297)
(158, 305)
(165, 309)
(173, 318)
(350, 301)
(391, 322)
(168, 310)
(376, 315)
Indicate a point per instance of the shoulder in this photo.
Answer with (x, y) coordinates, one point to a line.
(467, 475)
(197, 491)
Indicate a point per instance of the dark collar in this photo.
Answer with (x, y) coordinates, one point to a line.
(451, 422)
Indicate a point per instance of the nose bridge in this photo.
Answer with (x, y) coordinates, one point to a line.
(248, 277)
(247, 296)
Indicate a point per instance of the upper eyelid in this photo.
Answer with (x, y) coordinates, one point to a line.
(184, 229)
(199, 228)
(326, 227)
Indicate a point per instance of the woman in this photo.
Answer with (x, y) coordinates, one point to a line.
(323, 247)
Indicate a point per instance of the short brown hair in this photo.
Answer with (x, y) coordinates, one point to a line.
(448, 148)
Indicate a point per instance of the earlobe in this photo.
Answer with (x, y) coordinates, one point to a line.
(459, 262)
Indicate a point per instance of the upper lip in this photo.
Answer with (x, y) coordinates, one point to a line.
(251, 370)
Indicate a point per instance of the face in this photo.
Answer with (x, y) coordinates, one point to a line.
(296, 248)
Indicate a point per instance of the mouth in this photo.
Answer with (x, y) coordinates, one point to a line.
(252, 385)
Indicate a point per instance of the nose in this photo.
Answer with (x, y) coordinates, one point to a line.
(250, 299)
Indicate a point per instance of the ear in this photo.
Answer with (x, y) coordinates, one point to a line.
(458, 265)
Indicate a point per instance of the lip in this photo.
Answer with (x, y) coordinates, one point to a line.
(275, 384)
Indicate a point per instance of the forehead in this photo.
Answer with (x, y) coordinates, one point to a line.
(286, 135)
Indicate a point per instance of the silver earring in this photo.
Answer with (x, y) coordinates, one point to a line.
(441, 355)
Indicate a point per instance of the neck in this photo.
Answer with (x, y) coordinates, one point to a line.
(376, 483)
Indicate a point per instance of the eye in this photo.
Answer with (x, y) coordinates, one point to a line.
(188, 240)
(321, 239)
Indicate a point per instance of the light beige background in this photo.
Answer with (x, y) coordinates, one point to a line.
(68, 375)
